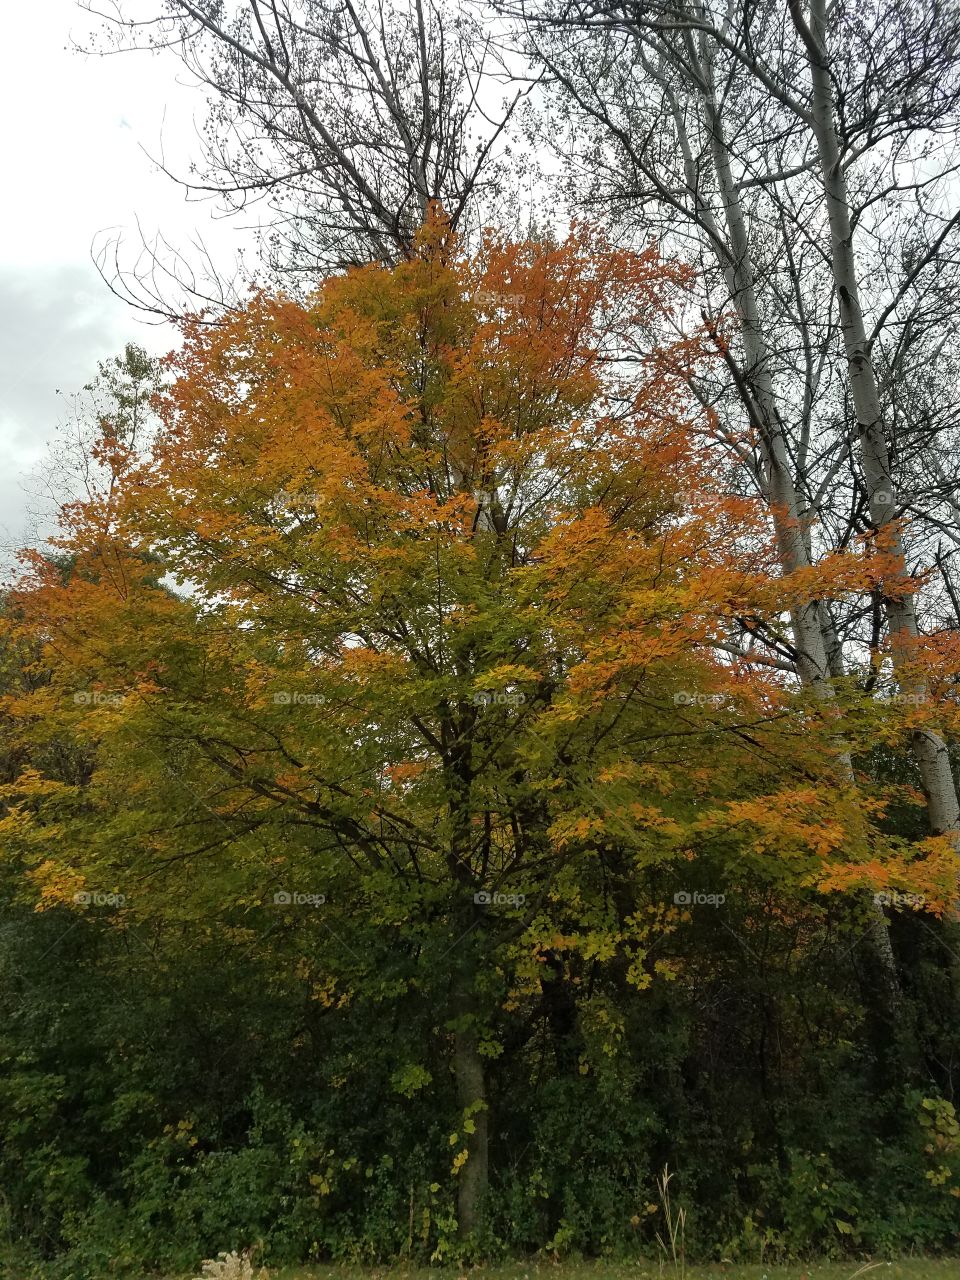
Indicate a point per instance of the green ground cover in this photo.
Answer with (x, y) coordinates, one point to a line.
(904, 1269)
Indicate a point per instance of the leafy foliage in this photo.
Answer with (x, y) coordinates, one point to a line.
(397, 862)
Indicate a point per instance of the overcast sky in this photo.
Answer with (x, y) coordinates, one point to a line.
(74, 126)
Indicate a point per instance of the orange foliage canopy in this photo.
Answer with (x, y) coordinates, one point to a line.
(456, 586)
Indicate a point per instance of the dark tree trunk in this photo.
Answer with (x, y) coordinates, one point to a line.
(469, 1073)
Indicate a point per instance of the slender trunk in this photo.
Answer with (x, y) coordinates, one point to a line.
(559, 1005)
(780, 488)
(467, 959)
(469, 1073)
(814, 639)
(929, 748)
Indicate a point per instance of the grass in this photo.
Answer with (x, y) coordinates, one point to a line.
(907, 1269)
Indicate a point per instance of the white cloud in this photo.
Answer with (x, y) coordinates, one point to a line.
(76, 131)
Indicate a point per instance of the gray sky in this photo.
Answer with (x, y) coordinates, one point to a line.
(75, 169)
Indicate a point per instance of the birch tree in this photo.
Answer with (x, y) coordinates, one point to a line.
(807, 169)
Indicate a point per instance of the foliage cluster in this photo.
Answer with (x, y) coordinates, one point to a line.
(400, 862)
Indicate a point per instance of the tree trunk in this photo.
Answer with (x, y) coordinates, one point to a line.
(559, 1005)
(814, 639)
(780, 488)
(929, 748)
(468, 1069)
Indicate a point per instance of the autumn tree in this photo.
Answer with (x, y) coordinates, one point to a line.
(420, 609)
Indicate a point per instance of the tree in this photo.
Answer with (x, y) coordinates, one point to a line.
(451, 652)
(763, 148)
(345, 118)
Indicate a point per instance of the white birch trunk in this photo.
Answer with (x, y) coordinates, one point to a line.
(929, 748)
